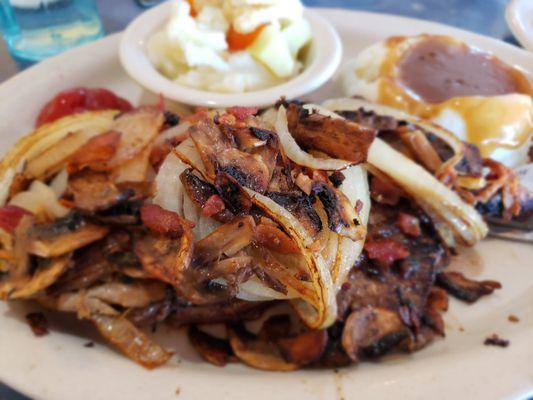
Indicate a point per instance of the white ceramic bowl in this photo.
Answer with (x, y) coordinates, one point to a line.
(324, 59)
(519, 15)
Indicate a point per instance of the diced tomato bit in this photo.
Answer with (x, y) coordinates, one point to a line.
(213, 205)
(409, 224)
(76, 100)
(239, 41)
(10, 217)
(161, 221)
(274, 239)
(386, 251)
(385, 192)
(98, 149)
(193, 13)
(241, 113)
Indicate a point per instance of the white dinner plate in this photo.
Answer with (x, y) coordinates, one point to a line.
(58, 366)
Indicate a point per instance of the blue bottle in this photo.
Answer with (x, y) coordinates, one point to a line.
(36, 29)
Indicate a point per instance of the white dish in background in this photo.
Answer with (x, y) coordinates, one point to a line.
(58, 366)
(324, 58)
(519, 16)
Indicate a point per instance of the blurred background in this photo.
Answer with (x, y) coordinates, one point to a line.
(36, 29)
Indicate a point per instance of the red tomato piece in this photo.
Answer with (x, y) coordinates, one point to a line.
(76, 100)
(10, 217)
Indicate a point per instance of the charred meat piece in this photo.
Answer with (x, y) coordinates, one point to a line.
(299, 205)
(385, 191)
(341, 215)
(337, 138)
(403, 289)
(200, 191)
(465, 289)
(235, 310)
(213, 350)
(231, 192)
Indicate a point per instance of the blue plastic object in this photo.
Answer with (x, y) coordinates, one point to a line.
(36, 29)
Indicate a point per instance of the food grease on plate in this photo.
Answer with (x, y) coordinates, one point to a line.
(472, 93)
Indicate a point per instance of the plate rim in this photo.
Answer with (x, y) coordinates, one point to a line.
(113, 40)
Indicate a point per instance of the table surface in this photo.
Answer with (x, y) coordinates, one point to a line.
(482, 16)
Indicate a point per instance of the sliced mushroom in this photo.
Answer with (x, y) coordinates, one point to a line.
(338, 138)
(62, 236)
(465, 289)
(372, 331)
(214, 350)
(166, 258)
(227, 240)
(257, 353)
(219, 153)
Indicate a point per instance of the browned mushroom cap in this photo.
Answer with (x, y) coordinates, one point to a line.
(219, 153)
(62, 236)
(342, 217)
(214, 350)
(227, 240)
(465, 289)
(256, 353)
(338, 138)
(166, 258)
(372, 331)
(95, 191)
(304, 348)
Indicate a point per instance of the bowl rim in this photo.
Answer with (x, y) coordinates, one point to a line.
(326, 59)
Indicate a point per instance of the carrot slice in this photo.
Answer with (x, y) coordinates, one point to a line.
(239, 41)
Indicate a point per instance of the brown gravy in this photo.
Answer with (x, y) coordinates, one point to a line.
(437, 69)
